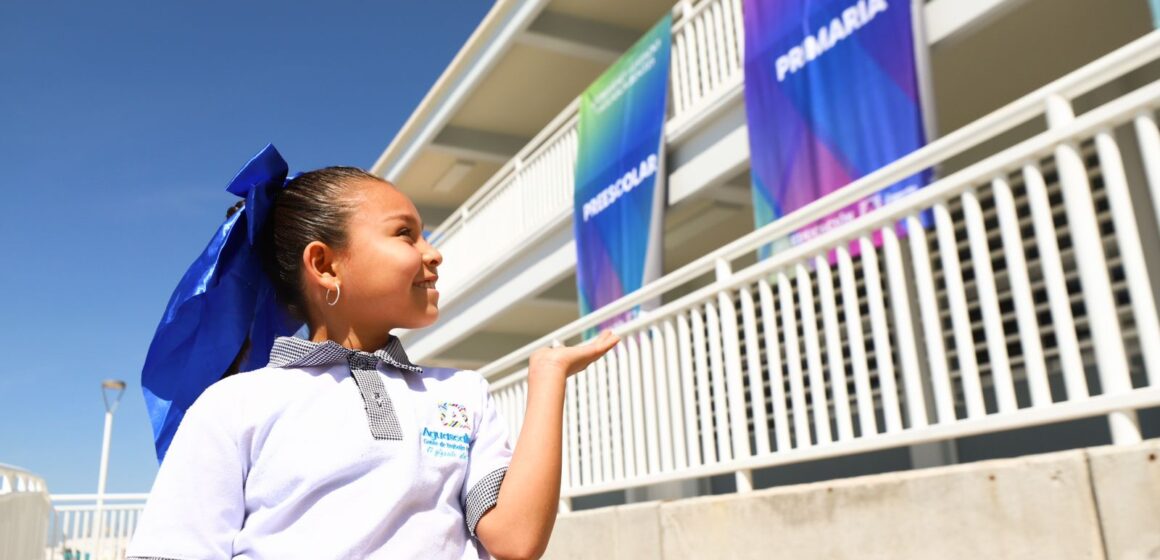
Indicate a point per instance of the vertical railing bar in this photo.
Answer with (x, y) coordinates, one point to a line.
(739, 36)
(584, 447)
(708, 36)
(640, 447)
(735, 384)
(1063, 323)
(715, 43)
(703, 75)
(573, 467)
(988, 298)
(904, 328)
(523, 407)
(728, 44)
(1148, 136)
(661, 376)
(813, 356)
(1009, 230)
(648, 391)
(867, 422)
(717, 376)
(616, 384)
(880, 333)
(801, 422)
(676, 410)
(940, 380)
(704, 408)
(960, 316)
(689, 386)
(677, 74)
(596, 420)
(753, 367)
(833, 338)
(773, 359)
(605, 432)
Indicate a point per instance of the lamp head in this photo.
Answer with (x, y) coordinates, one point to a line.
(118, 388)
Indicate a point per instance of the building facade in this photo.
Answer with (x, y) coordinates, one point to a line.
(991, 336)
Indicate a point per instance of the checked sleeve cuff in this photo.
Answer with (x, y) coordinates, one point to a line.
(482, 497)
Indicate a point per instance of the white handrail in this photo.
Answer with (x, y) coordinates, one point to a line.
(1035, 242)
(1147, 98)
(551, 133)
(73, 531)
(60, 498)
(710, 360)
(1119, 62)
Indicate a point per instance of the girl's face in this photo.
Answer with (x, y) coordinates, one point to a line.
(387, 270)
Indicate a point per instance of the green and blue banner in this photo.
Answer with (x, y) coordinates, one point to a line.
(832, 94)
(619, 192)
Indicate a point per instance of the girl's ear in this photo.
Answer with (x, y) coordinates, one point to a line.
(319, 265)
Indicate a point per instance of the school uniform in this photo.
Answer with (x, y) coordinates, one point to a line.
(329, 453)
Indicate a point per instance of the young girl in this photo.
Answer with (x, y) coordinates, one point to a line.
(340, 446)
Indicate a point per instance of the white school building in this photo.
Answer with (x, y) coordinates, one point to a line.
(1023, 323)
(987, 389)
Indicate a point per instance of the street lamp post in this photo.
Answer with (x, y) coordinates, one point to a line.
(118, 388)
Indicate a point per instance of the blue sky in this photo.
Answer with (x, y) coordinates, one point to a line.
(120, 125)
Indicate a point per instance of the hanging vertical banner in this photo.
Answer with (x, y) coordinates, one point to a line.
(832, 94)
(619, 192)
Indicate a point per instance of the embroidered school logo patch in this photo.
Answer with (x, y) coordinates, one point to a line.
(450, 443)
(454, 415)
(446, 445)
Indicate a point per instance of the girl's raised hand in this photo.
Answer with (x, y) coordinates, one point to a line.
(572, 359)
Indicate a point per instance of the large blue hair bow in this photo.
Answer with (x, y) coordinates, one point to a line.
(224, 297)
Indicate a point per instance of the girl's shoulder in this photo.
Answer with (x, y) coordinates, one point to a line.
(464, 379)
(260, 384)
(449, 374)
(466, 385)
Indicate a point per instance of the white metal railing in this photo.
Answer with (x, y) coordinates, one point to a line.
(1026, 301)
(706, 62)
(73, 532)
(532, 193)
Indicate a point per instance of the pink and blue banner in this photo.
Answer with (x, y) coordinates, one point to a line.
(619, 192)
(832, 94)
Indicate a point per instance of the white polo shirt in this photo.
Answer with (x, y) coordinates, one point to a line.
(329, 453)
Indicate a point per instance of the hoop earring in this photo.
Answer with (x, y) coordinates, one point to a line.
(338, 295)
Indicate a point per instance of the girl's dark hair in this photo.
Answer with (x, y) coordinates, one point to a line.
(315, 206)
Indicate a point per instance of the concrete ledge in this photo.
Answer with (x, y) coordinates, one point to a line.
(1039, 506)
(1127, 493)
(1034, 507)
(616, 533)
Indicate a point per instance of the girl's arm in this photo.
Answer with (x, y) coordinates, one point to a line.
(520, 523)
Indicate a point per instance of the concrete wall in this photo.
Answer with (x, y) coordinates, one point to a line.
(1099, 503)
(24, 513)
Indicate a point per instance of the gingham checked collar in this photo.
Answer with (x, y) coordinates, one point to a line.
(295, 352)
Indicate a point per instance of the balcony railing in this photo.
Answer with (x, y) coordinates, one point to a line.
(80, 530)
(532, 193)
(1026, 301)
